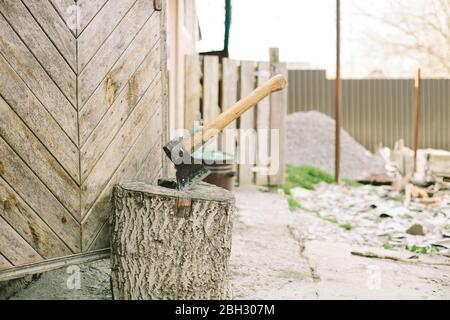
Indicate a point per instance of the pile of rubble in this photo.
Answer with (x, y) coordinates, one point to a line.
(378, 216)
(311, 141)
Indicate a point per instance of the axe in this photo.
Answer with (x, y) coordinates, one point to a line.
(188, 170)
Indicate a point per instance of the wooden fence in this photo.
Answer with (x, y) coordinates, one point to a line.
(213, 85)
(377, 110)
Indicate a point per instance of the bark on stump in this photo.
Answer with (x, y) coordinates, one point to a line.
(169, 244)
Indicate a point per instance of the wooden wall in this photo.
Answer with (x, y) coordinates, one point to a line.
(182, 39)
(82, 108)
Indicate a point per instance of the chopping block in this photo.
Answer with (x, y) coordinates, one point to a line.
(169, 244)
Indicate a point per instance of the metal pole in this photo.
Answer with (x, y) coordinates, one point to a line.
(338, 92)
(417, 117)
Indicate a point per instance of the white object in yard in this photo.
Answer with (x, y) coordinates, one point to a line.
(437, 163)
(300, 193)
(403, 158)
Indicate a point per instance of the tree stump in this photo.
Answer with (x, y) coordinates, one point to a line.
(169, 244)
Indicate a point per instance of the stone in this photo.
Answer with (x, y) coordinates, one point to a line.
(301, 194)
(416, 230)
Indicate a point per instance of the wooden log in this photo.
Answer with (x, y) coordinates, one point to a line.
(168, 244)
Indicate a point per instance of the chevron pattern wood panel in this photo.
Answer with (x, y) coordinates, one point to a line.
(82, 108)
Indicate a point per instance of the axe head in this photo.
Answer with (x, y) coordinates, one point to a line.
(189, 171)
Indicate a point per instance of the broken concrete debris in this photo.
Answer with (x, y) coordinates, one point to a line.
(397, 207)
(378, 216)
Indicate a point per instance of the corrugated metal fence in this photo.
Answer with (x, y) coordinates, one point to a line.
(377, 110)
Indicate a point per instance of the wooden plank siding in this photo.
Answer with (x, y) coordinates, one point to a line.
(54, 26)
(4, 263)
(82, 107)
(15, 248)
(39, 44)
(88, 10)
(192, 92)
(66, 10)
(211, 77)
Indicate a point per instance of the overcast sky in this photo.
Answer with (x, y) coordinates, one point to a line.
(304, 30)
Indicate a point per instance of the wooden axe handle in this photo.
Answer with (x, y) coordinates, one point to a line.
(275, 84)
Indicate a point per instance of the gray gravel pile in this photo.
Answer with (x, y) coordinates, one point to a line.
(311, 140)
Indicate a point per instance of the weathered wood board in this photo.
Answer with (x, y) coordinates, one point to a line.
(210, 107)
(247, 133)
(278, 115)
(82, 107)
(230, 82)
(263, 129)
(192, 92)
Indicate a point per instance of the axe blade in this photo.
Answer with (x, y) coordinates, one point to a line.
(189, 171)
(190, 175)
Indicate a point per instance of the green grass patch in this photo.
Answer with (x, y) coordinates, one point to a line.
(305, 177)
(293, 204)
(398, 198)
(346, 226)
(407, 216)
(387, 246)
(422, 250)
(330, 220)
(351, 183)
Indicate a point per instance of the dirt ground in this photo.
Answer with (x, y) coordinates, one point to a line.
(63, 284)
(275, 257)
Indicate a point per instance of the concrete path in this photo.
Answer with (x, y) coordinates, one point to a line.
(267, 262)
